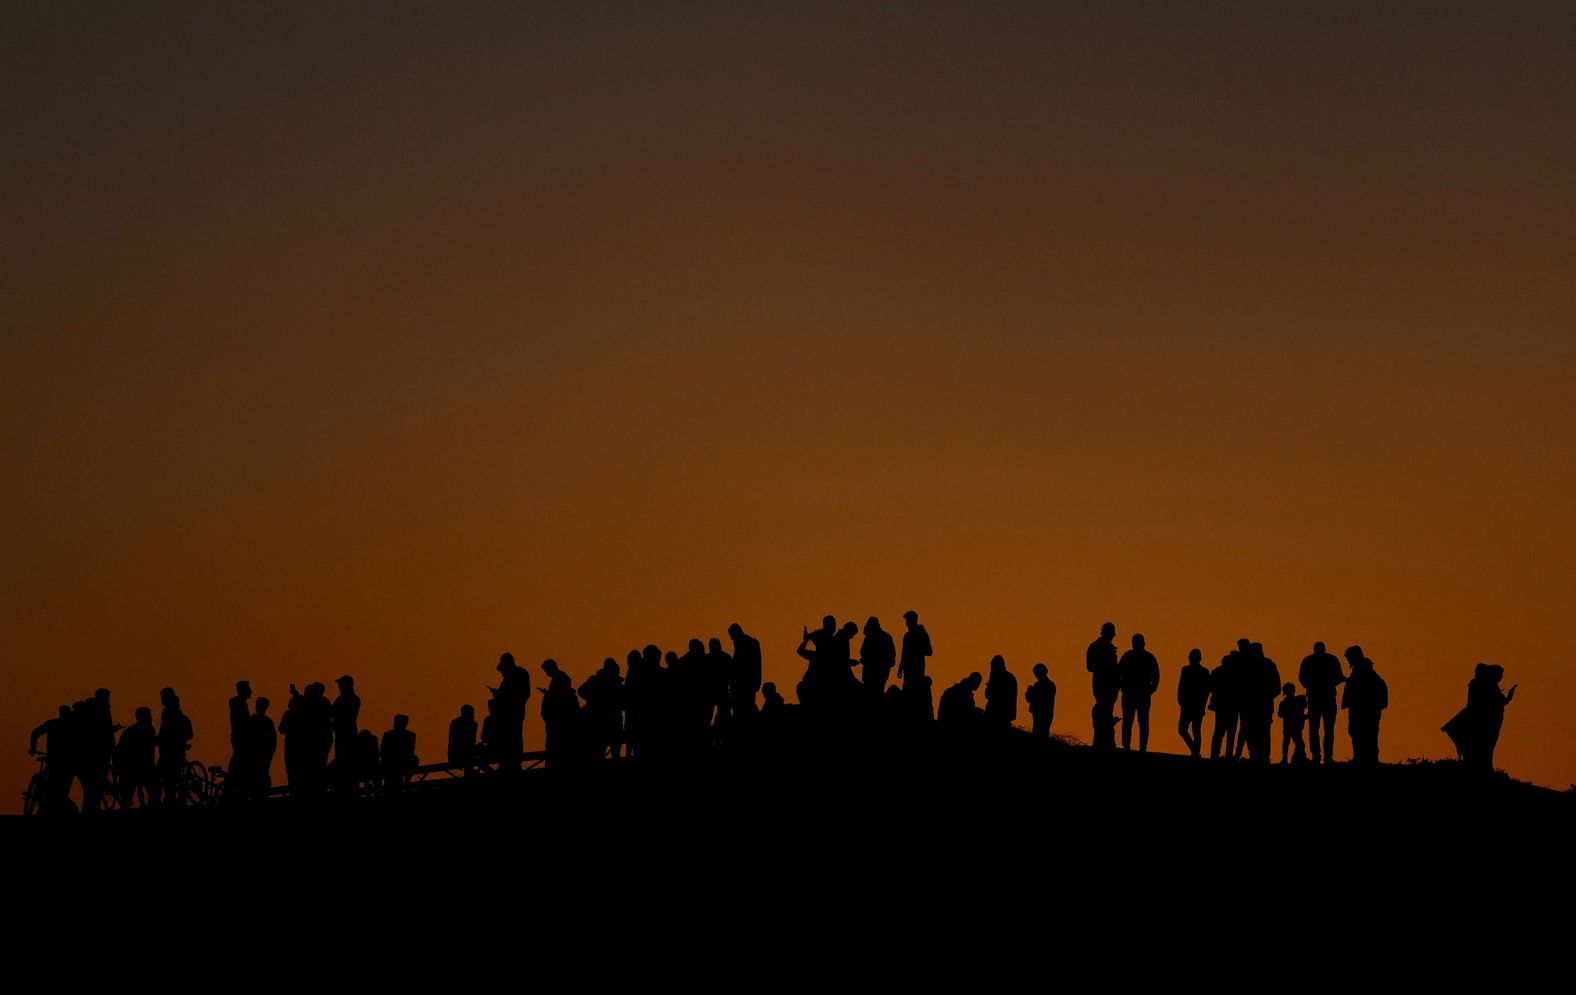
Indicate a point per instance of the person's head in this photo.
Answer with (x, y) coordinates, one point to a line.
(505, 663)
(997, 664)
(468, 711)
(65, 711)
(145, 714)
(1041, 670)
(1194, 655)
(911, 618)
(735, 630)
(102, 696)
(243, 689)
(849, 629)
(632, 660)
(401, 721)
(829, 623)
(550, 667)
(346, 684)
(670, 658)
(167, 697)
(974, 681)
(1353, 654)
(1318, 647)
(1108, 630)
(1258, 650)
(697, 647)
(316, 690)
(610, 667)
(714, 644)
(872, 624)
(1244, 645)
(1138, 640)
(1289, 690)
(652, 655)
(769, 689)
(1496, 673)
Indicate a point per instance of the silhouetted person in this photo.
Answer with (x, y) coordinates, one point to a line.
(398, 754)
(1223, 702)
(603, 693)
(94, 738)
(1001, 696)
(1365, 699)
(1475, 729)
(719, 665)
(262, 740)
(1138, 673)
(911, 667)
(1041, 697)
(346, 712)
(1320, 674)
(745, 681)
(240, 721)
(1293, 711)
(1260, 686)
(560, 708)
(59, 753)
(773, 706)
(957, 713)
(511, 695)
(1192, 701)
(877, 656)
(174, 739)
(136, 764)
(462, 739)
(1100, 661)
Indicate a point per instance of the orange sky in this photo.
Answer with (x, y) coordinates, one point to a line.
(383, 340)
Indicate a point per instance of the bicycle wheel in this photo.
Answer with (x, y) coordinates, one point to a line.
(196, 783)
(30, 797)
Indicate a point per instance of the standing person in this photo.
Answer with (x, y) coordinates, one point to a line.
(347, 710)
(1192, 700)
(1041, 697)
(1001, 696)
(1100, 661)
(603, 693)
(136, 769)
(59, 754)
(1223, 702)
(1293, 710)
(462, 739)
(511, 695)
(745, 681)
(1138, 674)
(240, 720)
(397, 755)
(560, 708)
(1261, 685)
(911, 666)
(1475, 729)
(262, 740)
(175, 735)
(1320, 674)
(1365, 699)
(877, 654)
(96, 741)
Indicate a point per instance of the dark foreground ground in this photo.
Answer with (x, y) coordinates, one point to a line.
(1012, 851)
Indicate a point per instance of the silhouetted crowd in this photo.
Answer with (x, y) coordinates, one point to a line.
(680, 706)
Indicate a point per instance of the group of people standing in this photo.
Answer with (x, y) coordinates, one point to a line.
(670, 704)
(1242, 692)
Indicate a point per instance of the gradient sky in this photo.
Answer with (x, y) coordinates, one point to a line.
(385, 338)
